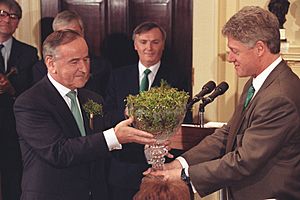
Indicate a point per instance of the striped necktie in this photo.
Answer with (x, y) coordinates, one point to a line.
(75, 111)
(145, 81)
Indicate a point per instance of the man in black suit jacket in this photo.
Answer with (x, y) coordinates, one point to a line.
(61, 160)
(149, 42)
(100, 69)
(15, 78)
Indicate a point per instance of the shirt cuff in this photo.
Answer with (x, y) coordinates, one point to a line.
(185, 165)
(111, 140)
(183, 162)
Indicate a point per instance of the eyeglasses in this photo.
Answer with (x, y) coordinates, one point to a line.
(12, 16)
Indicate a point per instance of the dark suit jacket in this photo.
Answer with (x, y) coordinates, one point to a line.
(129, 163)
(58, 163)
(100, 70)
(22, 57)
(262, 144)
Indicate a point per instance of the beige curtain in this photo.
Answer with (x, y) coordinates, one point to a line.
(29, 26)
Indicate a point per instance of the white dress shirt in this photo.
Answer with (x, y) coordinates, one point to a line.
(109, 135)
(154, 68)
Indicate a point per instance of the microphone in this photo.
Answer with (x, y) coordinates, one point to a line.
(219, 90)
(207, 88)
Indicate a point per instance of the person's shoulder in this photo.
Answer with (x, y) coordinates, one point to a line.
(35, 93)
(126, 68)
(89, 94)
(40, 64)
(24, 45)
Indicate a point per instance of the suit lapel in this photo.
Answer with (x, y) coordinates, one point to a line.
(134, 80)
(62, 108)
(130, 82)
(82, 99)
(14, 55)
(237, 118)
(161, 74)
(239, 115)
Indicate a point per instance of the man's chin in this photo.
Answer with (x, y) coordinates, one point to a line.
(80, 84)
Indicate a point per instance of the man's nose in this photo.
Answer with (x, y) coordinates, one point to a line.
(83, 66)
(230, 57)
(149, 45)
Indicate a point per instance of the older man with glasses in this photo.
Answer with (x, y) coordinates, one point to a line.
(16, 60)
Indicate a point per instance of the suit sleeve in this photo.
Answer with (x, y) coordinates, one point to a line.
(111, 105)
(268, 131)
(48, 136)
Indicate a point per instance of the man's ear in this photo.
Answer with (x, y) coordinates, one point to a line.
(50, 64)
(261, 47)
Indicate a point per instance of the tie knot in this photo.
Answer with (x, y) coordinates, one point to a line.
(249, 96)
(251, 89)
(147, 71)
(71, 94)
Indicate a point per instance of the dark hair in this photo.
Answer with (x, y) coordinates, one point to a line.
(58, 38)
(14, 6)
(252, 24)
(147, 26)
(154, 188)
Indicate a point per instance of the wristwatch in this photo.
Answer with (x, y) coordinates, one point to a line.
(184, 177)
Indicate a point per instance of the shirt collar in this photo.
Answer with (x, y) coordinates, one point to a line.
(154, 68)
(7, 47)
(60, 88)
(260, 79)
(8, 43)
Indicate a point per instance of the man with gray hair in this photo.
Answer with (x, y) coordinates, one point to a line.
(257, 154)
(100, 68)
(64, 151)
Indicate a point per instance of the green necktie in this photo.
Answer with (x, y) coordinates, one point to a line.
(76, 113)
(250, 94)
(145, 81)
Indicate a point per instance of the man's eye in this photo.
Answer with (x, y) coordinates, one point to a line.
(74, 62)
(13, 16)
(235, 52)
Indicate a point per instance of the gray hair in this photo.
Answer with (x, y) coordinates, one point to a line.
(56, 39)
(252, 24)
(65, 17)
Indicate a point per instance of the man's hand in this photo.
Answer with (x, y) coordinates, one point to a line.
(127, 134)
(6, 86)
(167, 166)
(170, 174)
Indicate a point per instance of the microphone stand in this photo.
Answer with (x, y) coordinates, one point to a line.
(201, 115)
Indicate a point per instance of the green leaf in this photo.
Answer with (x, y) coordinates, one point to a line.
(91, 107)
(159, 110)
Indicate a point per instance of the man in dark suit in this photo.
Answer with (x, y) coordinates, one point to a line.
(16, 60)
(257, 154)
(149, 42)
(100, 69)
(63, 158)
